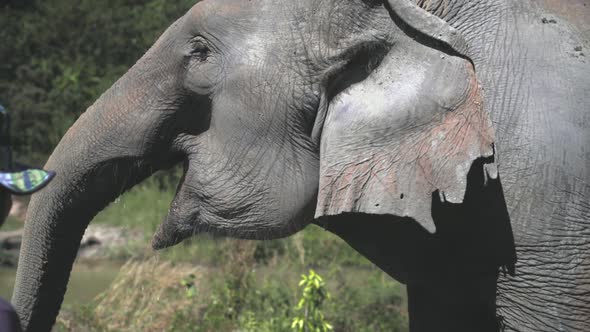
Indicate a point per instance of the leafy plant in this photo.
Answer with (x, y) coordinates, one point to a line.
(189, 284)
(311, 318)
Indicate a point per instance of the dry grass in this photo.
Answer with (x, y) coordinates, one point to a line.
(241, 286)
(146, 296)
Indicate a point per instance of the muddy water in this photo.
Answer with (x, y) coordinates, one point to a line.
(88, 279)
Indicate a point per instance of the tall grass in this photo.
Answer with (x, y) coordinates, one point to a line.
(156, 295)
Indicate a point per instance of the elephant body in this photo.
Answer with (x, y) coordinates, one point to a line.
(536, 85)
(445, 140)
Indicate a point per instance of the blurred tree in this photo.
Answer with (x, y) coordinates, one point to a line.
(57, 57)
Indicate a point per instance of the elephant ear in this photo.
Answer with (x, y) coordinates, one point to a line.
(412, 128)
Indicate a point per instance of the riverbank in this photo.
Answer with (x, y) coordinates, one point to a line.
(99, 242)
(88, 280)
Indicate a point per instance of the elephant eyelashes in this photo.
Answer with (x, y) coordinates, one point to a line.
(200, 50)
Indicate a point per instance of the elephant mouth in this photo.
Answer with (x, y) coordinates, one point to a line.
(184, 218)
(164, 238)
(173, 231)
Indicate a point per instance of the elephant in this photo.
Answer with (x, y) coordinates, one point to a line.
(445, 140)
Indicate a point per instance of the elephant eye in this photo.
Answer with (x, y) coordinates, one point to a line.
(199, 49)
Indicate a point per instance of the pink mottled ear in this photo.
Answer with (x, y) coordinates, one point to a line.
(414, 126)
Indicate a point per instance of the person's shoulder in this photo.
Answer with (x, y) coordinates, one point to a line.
(8, 318)
(5, 305)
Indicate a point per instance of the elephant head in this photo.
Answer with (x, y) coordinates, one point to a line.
(278, 110)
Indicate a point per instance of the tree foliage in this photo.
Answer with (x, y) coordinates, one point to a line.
(57, 57)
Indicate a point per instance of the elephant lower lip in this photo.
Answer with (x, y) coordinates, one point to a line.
(180, 223)
(159, 243)
(168, 235)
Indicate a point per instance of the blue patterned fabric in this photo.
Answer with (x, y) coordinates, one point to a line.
(18, 180)
(25, 182)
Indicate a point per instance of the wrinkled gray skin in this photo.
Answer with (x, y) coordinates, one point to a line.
(255, 98)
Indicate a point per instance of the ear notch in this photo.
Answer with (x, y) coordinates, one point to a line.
(413, 127)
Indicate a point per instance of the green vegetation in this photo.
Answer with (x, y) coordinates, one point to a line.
(156, 295)
(310, 316)
(11, 224)
(59, 56)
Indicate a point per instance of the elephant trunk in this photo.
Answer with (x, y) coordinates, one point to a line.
(107, 151)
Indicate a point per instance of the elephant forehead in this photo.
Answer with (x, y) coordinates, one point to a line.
(270, 14)
(212, 10)
(248, 26)
(305, 28)
(218, 7)
(219, 16)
